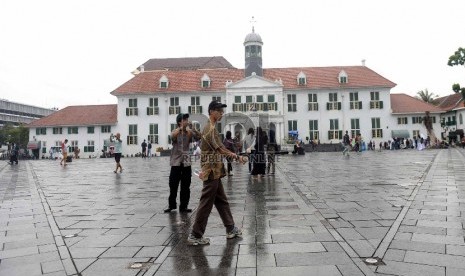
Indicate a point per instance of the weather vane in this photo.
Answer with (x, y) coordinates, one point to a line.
(253, 21)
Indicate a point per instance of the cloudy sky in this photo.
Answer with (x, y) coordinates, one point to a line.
(56, 53)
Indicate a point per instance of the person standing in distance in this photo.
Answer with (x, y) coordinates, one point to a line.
(212, 170)
(64, 151)
(117, 151)
(180, 163)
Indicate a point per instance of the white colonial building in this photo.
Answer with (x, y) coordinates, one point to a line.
(317, 102)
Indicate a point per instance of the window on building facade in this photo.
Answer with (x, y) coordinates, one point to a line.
(333, 104)
(73, 144)
(292, 125)
(58, 143)
(90, 146)
(172, 127)
(334, 131)
(216, 98)
(375, 103)
(44, 146)
(354, 127)
(153, 108)
(376, 130)
(354, 102)
(292, 102)
(312, 102)
(402, 120)
(195, 107)
(237, 99)
(205, 81)
(132, 137)
(417, 120)
(259, 98)
(301, 79)
(73, 130)
(415, 134)
(57, 130)
(105, 129)
(41, 131)
(271, 104)
(164, 82)
(343, 78)
(174, 107)
(460, 119)
(132, 110)
(153, 134)
(313, 130)
(90, 129)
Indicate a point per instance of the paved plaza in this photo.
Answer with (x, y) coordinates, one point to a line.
(321, 214)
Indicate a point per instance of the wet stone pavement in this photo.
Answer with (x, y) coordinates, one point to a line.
(321, 214)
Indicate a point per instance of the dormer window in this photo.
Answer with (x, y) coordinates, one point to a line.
(205, 81)
(164, 82)
(301, 79)
(343, 78)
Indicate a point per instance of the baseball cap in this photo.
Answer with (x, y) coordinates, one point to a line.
(215, 105)
(181, 116)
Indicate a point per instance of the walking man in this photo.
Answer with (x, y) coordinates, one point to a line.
(212, 170)
(346, 142)
(64, 151)
(144, 149)
(180, 163)
(117, 151)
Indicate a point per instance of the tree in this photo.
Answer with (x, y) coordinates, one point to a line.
(12, 134)
(425, 96)
(458, 58)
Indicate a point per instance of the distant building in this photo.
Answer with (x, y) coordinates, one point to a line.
(317, 102)
(16, 113)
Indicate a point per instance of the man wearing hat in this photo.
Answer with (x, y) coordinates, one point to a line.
(212, 170)
(180, 163)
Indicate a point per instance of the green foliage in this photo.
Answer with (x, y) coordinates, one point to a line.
(458, 58)
(426, 96)
(10, 133)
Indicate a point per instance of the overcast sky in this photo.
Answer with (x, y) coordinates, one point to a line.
(56, 53)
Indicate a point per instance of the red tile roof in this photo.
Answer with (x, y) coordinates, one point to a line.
(189, 80)
(449, 102)
(80, 115)
(402, 103)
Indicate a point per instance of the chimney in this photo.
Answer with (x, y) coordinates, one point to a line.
(142, 68)
(363, 62)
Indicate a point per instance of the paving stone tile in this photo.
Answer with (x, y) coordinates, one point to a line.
(451, 271)
(108, 266)
(418, 246)
(350, 270)
(311, 259)
(52, 266)
(317, 237)
(323, 270)
(435, 259)
(149, 252)
(455, 249)
(410, 269)
(120, 252)
(438, 239)
(394, 255)
(21, 270)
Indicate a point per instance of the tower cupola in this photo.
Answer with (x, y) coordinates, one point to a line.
(253, 54)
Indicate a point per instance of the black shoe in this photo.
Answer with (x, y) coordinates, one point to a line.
(167, 210)
(187, 210)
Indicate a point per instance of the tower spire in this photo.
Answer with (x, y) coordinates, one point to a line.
(253, 21)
